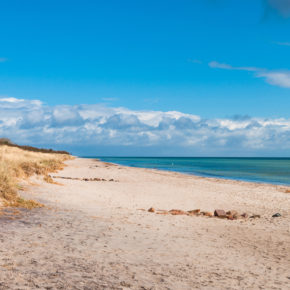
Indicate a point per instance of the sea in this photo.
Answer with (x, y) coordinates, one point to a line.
(262, 170)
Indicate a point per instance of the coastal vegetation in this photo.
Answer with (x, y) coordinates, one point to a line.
(20, 162)
(6, 141)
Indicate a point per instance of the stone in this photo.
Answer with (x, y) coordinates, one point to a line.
(161, 211)
(111, 179)
(220, 213)
(207, 213)
(244, 215)
(151, 209)
(232, 212)
(255, 216)
(276, 215)
(178, 212)
(232, 217)
(237, 216)
(193, 212)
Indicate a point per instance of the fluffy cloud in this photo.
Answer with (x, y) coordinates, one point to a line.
(272, 77)
(276, 78)
(96, 126)
(215, 64)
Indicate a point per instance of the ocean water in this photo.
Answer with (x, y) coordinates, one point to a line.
(265, 170)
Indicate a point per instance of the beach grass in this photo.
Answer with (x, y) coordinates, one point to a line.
(17, 164)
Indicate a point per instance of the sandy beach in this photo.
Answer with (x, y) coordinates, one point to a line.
(99, 234)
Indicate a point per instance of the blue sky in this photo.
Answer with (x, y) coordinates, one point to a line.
(223, 59)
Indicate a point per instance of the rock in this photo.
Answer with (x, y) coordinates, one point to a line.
(151, 209)
(255, 216)
(207, 213)
(232, 212)
(237, 216)
(178, 212)
(220, 213)
(276, 215)
(111, 179)
(232, 215)
(161, 211)
(193, 212)
(244, 215)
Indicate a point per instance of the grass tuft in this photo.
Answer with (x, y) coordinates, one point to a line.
(17, 164)
(48, 179)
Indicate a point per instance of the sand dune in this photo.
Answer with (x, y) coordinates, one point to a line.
(95, 235)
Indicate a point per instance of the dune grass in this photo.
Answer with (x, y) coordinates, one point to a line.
(17, 164)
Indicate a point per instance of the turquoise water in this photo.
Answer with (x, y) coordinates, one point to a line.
(269, 170)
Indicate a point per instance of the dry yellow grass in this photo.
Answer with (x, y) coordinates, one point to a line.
(16, 164)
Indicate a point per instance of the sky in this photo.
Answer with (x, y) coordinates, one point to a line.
(147, 78)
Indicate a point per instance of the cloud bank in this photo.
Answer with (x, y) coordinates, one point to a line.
(280, 78)
(98, 130)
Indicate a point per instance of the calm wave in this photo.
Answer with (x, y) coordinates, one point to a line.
(269, 170)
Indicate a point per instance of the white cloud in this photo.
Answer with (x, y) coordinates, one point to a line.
(272, 77)
(18, 103)
(215, 64)
(32, 122)
(276, 78)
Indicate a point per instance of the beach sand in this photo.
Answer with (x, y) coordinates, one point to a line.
(99, 234)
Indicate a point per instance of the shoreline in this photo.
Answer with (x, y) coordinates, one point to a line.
(99, 234)
(194, 175)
